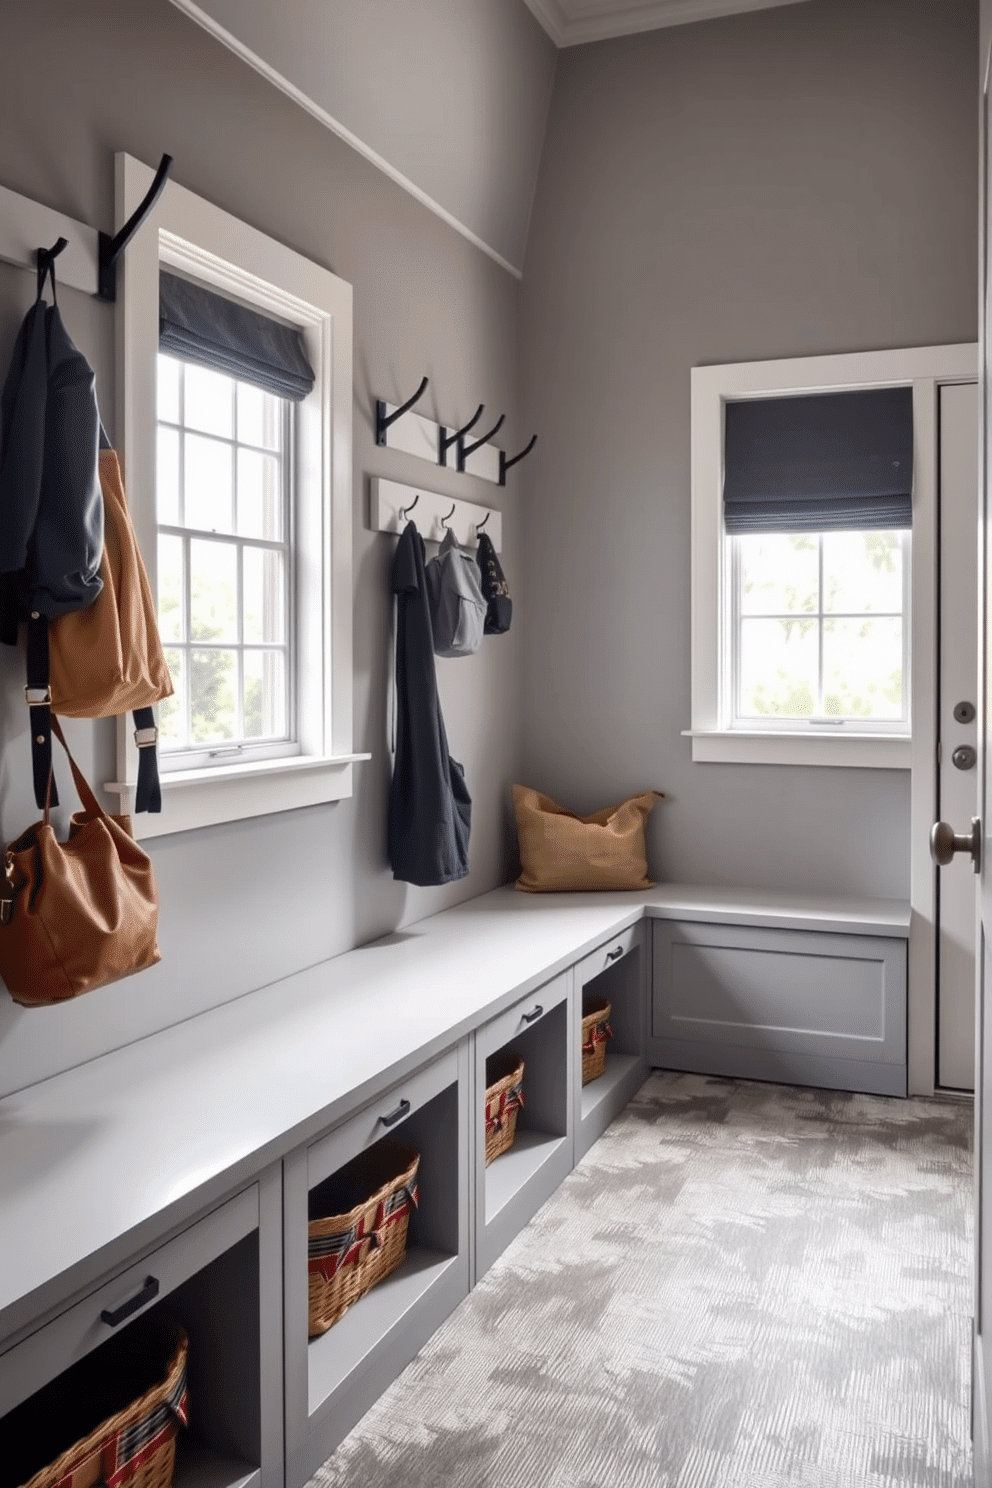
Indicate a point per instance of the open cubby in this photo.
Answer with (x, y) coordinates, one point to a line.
(432, 1247)
(514, 1185)
(333, 1378)
(622, 986)
(221, 1446)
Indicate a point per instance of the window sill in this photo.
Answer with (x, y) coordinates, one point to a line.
(202, 798)
(763, 747)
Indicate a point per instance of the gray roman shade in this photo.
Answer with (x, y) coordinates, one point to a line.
(819, 462)
(206, 327)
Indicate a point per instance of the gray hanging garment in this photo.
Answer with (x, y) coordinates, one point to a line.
(430, 810)
(454, 592)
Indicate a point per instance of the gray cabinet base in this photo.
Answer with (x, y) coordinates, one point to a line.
(778, 1067)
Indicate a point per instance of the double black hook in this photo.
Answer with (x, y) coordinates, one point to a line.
(445, 440)
(109, 249)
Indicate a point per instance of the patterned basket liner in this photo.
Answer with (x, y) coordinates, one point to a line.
(596, 1032)
(364, 1239)
(131, 1447)
(504, 1099)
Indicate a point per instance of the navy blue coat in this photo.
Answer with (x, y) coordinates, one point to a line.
(51, 505)
(430, 809)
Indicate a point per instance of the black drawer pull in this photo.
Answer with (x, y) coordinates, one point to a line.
(614, 955)
(529, 1017)
(403, 1109)
(115, 1315)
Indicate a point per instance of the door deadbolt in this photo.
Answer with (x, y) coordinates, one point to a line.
(964, 712)
(945, 842)
(964, 757)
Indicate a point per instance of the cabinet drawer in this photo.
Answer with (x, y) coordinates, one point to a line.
(384, 1116)
(608, 954)
(527, 1013)
(32, 1363)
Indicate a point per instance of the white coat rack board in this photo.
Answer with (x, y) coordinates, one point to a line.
(390, 499)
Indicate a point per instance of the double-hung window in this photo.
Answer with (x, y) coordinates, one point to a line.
(814, 499)
(236, 414)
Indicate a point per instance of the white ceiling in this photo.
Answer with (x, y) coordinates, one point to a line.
(569, 22)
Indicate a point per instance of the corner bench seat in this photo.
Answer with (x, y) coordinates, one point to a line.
(117, 1154)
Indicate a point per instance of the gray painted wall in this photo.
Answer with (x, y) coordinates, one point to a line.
(453, 94)
(791, 182)
(249, 902)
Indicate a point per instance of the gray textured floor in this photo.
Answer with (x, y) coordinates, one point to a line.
(741, 1284)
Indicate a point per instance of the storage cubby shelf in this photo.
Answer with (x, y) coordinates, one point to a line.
(506, 1176)
(618, 1069)
(364, 1331)
(198, 1468)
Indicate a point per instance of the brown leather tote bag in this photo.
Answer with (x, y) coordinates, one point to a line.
(75, 915)
(108, 658)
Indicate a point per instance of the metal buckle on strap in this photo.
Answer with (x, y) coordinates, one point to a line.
(38, 697)
(146, 738)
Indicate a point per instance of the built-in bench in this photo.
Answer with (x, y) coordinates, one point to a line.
(188, 1156)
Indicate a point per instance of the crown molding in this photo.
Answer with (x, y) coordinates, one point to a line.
(571, 22)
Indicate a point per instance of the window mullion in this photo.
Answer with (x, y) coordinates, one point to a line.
(821, 708)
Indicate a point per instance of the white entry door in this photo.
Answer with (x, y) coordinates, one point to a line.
(957, 782)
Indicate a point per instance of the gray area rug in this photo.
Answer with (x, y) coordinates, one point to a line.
(741, 1284)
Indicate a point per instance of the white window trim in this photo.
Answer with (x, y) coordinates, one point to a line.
(924, 369)
(196, 237)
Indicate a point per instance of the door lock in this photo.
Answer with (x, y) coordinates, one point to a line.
(964, 757)
(945, 842)
(964, 712)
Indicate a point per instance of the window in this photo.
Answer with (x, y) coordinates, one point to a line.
(807, 633)
(820, 630)
(226, 566)
(241, 496)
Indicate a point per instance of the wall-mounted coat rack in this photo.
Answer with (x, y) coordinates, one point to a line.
(398, 426)
(89, 259)
(392, 505)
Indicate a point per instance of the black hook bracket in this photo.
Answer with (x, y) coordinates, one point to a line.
(44, 259)
(479, 525)
(505, 464)
(464, 450)
(445, 440)
(110, 249)
(445, 520)
(384, 419)
(405, 509)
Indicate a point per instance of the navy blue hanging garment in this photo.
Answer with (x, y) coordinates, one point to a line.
(430, 809)
(51, 505)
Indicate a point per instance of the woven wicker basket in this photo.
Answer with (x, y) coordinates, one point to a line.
(113, 1417)
(504, 1098)
(596, 1031)
(358, 1228)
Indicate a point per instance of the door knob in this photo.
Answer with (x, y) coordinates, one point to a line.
(945, 842)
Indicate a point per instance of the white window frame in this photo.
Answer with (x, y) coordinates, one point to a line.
(195, 237)
(924, 369)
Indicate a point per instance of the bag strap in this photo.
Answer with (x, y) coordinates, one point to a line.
(38, 696)
(86, 796)
(148, 793)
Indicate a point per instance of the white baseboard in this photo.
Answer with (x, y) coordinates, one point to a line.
(980, 1416)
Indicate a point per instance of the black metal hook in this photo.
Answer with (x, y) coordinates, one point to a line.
(447, 519)
(464, 450)
(504, 463)
(44, 259)
(384, 419)
(110, 249)
(479, 525)
(405, 509)
(445, 440)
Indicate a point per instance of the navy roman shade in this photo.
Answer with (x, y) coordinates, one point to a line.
(205, 327)
(819, 462)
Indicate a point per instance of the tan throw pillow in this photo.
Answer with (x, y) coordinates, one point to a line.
(562, 851)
